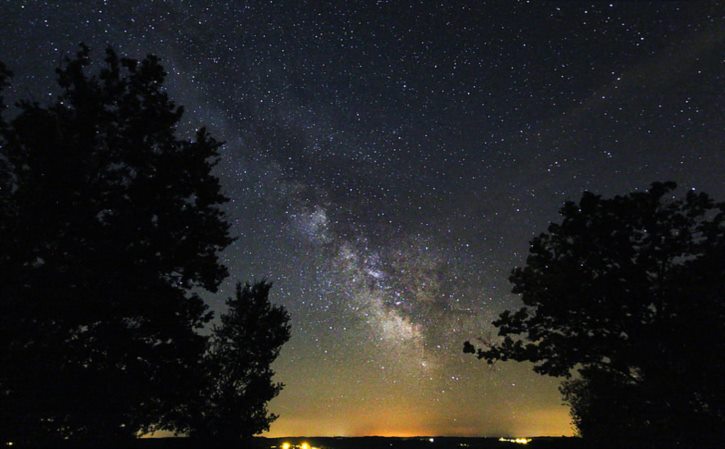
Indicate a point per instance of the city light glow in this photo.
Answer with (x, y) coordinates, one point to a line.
(288, 445)
(515, 440)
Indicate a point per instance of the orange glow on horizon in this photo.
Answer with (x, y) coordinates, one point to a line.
(403, 423)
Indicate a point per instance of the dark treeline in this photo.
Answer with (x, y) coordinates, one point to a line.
(625, 299)
(110, 227)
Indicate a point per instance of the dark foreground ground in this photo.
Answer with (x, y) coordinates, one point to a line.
(421, 443)
(371, 443)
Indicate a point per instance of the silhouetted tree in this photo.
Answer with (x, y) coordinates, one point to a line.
(628, 295)
(110, 226)
(237, 365)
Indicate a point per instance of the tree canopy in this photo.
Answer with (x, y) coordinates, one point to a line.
(111, 227)
(625, 297)
(237, 367)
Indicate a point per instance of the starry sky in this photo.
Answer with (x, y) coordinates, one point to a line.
(388, 162)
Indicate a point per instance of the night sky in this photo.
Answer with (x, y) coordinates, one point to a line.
(388, 162)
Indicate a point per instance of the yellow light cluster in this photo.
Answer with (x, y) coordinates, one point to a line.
(303, 445)
(516, 440)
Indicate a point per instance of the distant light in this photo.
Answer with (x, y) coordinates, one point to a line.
(9, 443)
(304, 445)
(516, 440)
(285, 445)
(432, 440)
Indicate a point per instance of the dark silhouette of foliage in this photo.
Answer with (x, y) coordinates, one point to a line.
(237, 366)
(627, 296)
(110, 226)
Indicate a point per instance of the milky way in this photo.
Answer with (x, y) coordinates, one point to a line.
(388, 162)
